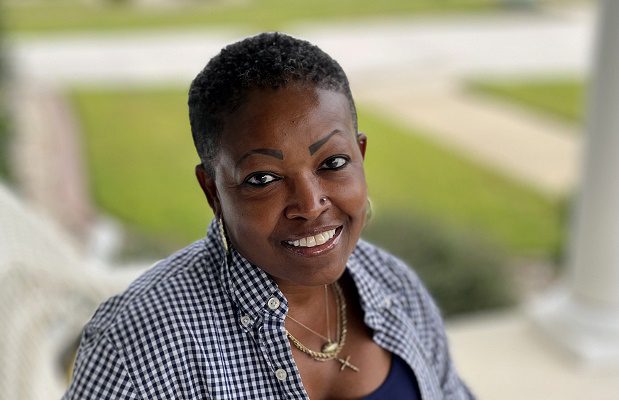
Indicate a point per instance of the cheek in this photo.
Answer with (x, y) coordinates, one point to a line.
(352, 195)
(249, 220)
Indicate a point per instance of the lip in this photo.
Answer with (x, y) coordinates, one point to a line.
(319, 249)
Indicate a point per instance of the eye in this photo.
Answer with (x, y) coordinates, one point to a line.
(260, 179)
(335, 163)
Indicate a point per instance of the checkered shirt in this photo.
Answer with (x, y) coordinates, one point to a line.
(205, 325)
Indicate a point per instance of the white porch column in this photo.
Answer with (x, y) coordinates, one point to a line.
(584, 315)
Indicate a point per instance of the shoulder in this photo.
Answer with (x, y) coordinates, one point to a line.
(102, 375)
(139, 334)
(167, 288)
(385, 268)
(391, 275)
(400, 280)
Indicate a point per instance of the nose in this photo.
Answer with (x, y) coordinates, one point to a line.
(306, 199)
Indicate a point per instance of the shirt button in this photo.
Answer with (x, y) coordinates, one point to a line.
(245, 320)
(273, 303)
(281, 374)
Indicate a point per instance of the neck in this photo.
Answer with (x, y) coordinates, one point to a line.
(302, 297)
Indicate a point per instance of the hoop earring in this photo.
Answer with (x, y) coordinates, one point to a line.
(369, 211)
(222, 234)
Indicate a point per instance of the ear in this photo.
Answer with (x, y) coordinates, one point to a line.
(207, 183)
(362, 142)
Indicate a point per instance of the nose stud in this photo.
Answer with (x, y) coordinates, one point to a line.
(323, 200)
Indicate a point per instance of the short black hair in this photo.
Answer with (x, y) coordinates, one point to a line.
(268, 60)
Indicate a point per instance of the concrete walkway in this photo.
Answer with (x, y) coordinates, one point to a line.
(439, 48)
(539, 151)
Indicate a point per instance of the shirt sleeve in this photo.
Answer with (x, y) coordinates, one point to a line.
(100, 373)
(452, 387)
(429, 324)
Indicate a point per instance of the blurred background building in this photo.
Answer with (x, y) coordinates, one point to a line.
(478, 114)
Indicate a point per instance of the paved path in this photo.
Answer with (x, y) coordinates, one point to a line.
(442, 47)
(539, 151)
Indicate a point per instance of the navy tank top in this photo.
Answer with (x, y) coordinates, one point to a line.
(400, 383)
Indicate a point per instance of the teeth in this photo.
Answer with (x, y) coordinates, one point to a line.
(312, 241)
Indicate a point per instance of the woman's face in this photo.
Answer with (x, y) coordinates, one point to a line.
(289, 183)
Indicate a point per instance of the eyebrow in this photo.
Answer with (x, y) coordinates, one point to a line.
(267, 152)
(314, 147)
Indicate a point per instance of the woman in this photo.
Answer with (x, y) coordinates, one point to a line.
(281, 299)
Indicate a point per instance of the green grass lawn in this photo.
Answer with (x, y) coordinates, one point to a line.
(141, 160)
(563, 98)
(70, 15)
(409, 173)
(141, 157)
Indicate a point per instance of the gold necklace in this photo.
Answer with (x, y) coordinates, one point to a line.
(329, 350)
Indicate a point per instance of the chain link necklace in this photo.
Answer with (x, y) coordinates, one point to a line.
(329, 350)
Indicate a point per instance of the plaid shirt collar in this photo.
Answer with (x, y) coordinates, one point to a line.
(373, 296)
(251, 288)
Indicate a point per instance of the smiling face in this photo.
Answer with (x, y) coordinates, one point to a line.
(289, 183)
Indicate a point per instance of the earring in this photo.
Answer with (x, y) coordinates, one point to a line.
(369, 211)
(222, 233)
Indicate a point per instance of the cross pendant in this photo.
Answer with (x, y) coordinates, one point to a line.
(346, 364)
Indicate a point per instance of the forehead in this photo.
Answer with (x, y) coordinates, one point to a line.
(295, 114)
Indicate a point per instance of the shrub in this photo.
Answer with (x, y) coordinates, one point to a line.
(464, 272)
